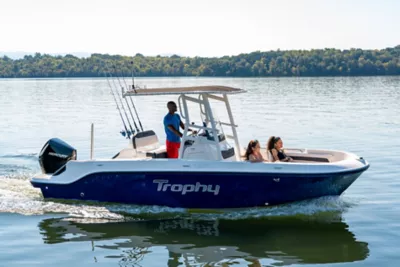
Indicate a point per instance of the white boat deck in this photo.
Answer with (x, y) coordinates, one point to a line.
(299, 155)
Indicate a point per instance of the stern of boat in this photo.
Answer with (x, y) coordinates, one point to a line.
(39, 181)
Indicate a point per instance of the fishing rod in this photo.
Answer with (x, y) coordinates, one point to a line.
(120, 84)
(133, 87)
(133, 80)
(123, 107)
(119, 110)
(122, 104)
(137, 115)
(133, 105)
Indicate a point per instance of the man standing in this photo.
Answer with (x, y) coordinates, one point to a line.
(172, 121)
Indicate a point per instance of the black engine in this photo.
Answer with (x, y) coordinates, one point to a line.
(55, 154)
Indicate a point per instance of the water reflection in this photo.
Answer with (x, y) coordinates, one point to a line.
(193, 241)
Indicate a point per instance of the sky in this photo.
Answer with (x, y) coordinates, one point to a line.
(208, 28)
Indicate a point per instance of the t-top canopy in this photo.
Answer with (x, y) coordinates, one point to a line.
(211, 89)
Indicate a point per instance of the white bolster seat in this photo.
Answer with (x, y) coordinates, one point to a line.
(147, 142)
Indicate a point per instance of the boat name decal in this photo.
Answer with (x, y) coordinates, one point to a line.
(163, 185)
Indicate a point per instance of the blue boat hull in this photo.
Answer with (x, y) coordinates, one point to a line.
(213, 190)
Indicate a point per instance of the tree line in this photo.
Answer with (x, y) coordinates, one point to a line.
(316, 62)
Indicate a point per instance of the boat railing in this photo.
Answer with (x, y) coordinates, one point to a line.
(210, 123)
(201, 127)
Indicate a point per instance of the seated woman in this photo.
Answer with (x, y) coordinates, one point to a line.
(253, 153)
(274, 146)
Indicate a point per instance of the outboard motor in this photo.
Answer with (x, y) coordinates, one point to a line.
(55, 154)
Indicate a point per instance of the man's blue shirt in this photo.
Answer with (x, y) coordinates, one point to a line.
(174, 120)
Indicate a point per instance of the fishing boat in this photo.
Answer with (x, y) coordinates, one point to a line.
(210, 172)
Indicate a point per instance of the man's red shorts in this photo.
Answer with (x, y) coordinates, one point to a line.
(173, 149)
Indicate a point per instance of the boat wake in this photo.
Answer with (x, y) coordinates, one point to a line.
(18, 196)
(315, 209)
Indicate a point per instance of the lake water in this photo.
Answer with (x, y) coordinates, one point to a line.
(359, 228)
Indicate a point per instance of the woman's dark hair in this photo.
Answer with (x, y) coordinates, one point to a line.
(252, 144)
(272, 141)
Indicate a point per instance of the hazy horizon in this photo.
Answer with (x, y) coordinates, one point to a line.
(204, 29)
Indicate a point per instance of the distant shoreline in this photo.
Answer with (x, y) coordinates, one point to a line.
(291, 63)
(195, 77)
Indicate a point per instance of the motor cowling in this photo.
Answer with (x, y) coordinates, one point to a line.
(55, 154)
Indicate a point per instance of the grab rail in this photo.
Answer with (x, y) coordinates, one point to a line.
(180, 107)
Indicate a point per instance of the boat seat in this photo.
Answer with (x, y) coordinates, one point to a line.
(159, 153)
(145, 141)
